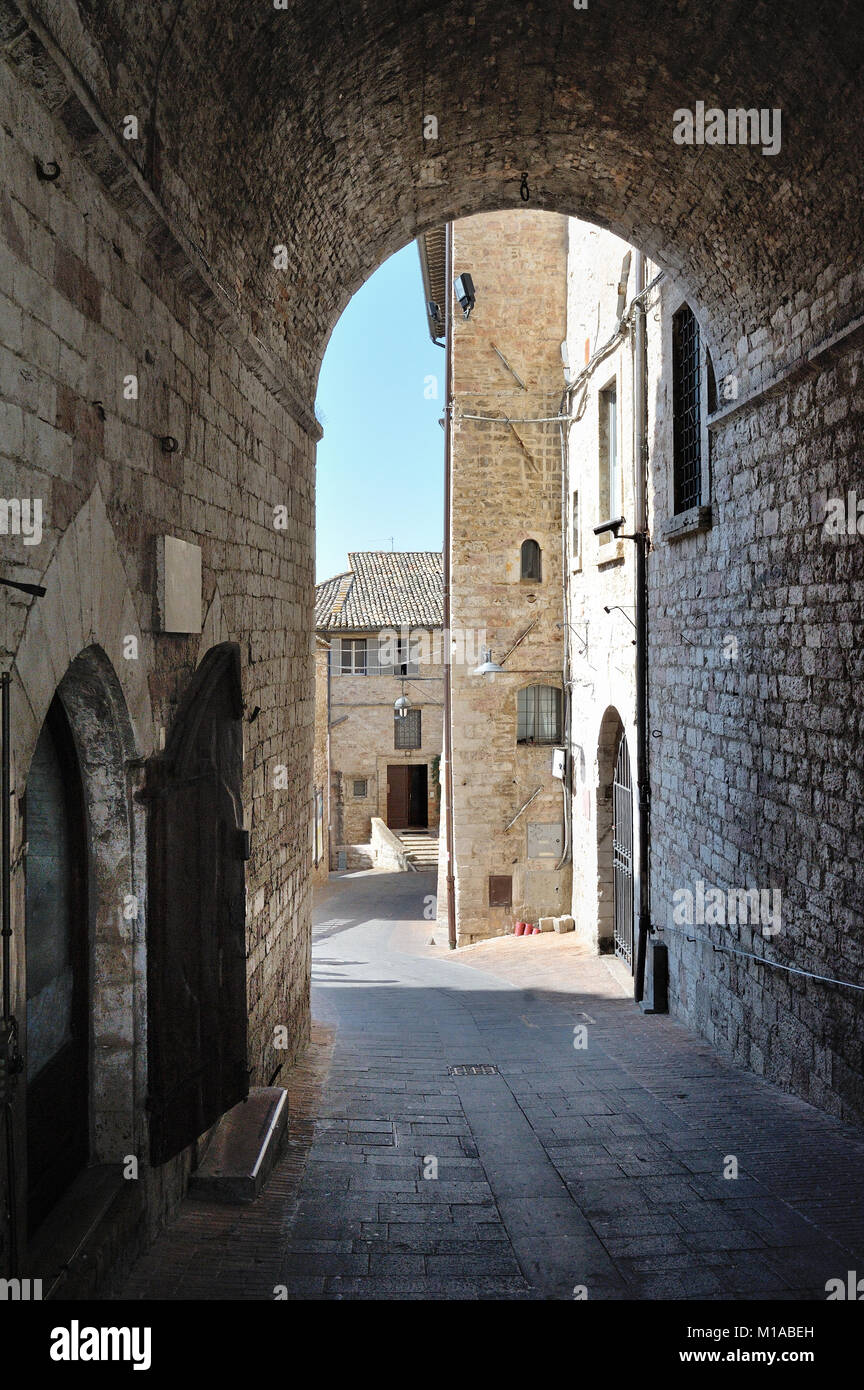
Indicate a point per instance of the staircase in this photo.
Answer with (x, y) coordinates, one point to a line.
(421, 848)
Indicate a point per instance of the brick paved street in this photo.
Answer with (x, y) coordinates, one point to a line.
(601, 1167)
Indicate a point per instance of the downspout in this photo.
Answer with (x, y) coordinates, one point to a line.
(566, 780)
(643, 544)
(8, 1028)
(448, 690)
(329, 772)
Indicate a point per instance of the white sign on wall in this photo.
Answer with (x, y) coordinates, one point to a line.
(178, 569)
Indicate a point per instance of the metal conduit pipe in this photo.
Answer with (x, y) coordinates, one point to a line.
(643, 543)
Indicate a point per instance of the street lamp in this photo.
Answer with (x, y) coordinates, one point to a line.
(488, 667)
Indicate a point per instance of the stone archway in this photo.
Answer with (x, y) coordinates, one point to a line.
(608, 740)
(64, 654)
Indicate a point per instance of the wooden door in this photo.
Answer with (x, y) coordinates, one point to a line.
(196, 940)
(57, 956)
(419, 806)
(398, 796)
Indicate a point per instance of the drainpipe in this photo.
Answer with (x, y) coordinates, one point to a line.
(643, 544)
(448, 691)
(8, 1028)
(329, 788)
(566, 781)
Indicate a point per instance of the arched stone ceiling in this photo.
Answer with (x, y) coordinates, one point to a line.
(304, 127)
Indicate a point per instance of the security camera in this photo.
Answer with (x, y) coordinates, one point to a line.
(606, 526)
(464, 287)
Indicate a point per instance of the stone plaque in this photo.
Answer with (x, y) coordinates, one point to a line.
(179, 585)
(545, 841)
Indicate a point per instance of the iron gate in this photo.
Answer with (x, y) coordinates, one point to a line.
(622, 854)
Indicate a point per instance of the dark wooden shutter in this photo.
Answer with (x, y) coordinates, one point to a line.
(500, 890)
(196, 927)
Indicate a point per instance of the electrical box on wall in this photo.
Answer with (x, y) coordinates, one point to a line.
(559, 762)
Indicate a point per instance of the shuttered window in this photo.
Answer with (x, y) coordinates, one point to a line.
(500, 890)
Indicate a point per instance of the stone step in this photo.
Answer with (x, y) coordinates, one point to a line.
(243, 1148)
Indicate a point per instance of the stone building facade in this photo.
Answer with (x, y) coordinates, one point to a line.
(720, 906)
(381, 621)
(600, 486)
(175, 552)
(321, 764)
(510, 858)
(210, 254)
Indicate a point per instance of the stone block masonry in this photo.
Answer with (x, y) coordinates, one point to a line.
(103, 354)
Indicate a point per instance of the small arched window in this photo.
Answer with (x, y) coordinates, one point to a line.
(538, 714)
(530, 566)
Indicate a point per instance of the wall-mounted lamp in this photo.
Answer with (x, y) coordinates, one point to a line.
(488, 667)
(464, 287)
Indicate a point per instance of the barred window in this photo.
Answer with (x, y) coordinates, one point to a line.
(538, 714)
(406, 730)
(361, 787)
(530, 561)
(686, 411)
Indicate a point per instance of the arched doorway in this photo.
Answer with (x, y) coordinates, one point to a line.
(57, 965)
(196, 959)
(622, 854)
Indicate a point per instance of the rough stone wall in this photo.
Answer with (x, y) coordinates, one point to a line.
(85, 303)
(262, 127)
(506, 488)
(362, 746)
(756, 630)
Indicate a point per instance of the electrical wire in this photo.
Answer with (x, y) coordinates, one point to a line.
(508, 420)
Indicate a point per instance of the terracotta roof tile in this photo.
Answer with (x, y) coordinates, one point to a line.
(383, 588)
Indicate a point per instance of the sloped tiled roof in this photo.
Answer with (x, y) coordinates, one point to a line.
(383, 588)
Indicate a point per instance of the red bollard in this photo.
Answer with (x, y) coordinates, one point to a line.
(519, 929)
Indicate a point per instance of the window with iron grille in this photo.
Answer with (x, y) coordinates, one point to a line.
(361, 787)
(538, 714)
(353, 656)
(530, 561)
(406, 730)
(686, 411)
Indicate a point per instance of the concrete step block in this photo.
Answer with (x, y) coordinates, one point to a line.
(243, 1148)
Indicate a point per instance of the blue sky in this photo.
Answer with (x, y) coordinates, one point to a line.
(381, 461)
